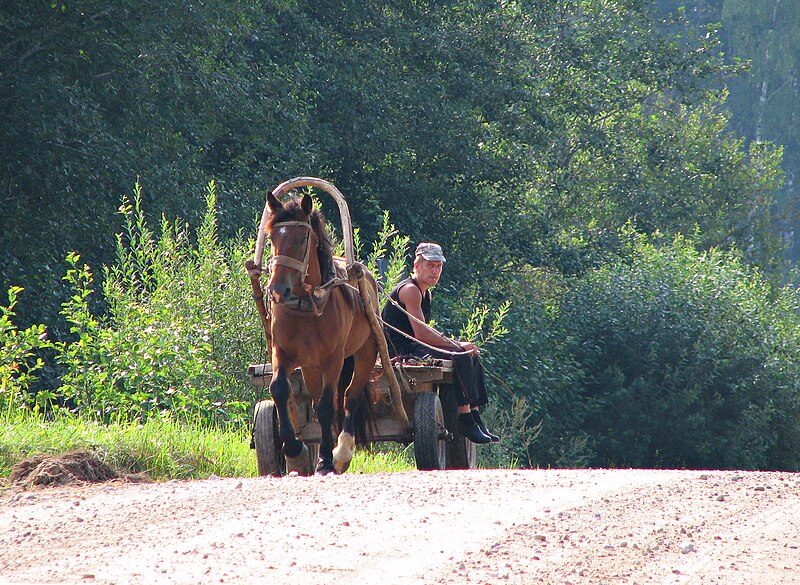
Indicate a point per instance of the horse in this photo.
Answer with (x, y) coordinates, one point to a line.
(316, 326)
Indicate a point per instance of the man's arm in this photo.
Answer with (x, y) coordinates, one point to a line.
(411, 297)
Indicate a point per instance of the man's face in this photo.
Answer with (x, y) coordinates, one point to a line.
(428, 271)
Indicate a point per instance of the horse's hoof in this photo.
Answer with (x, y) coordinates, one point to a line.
(300, 463)
(325, 468)
(343, 453)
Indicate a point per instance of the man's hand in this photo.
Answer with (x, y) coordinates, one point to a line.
(469, 346)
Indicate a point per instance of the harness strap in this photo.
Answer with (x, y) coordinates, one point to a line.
(301, 267)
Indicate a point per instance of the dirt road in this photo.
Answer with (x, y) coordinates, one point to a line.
(482, 526)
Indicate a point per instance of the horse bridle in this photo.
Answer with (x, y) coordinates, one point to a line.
(288, 261)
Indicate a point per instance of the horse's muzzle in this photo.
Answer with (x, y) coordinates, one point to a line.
(281, 294)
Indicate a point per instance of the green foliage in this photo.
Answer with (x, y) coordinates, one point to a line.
(677, 170)
(519, 436)
(688, 359)
(388, 241)
(175, 341)
(383, 458)
(764, 101)
(534, 376)
(665, 357)
(93, 96)
(479, 332)
(762, 40)
(20, 357)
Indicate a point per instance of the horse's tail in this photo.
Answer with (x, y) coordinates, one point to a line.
(363, 417)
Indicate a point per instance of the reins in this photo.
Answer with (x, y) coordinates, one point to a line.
(496, 378)
(411, 337)
(322, 290)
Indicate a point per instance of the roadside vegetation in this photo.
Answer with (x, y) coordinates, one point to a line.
(153, 379)
(159, 449)
(664, 356)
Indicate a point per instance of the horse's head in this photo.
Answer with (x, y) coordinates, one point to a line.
(302, 254)
(293, 240)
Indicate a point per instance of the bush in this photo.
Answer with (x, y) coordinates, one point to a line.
(534, 379)
(689, 359)
(179, 332)
(19, 355)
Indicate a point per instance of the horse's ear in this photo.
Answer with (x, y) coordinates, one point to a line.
(307, 204)
(273, 203)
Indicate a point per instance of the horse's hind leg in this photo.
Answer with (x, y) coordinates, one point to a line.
(356, 408)
(325, 412)
(319, 384)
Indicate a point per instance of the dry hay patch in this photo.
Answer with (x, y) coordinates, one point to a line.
(56, 470)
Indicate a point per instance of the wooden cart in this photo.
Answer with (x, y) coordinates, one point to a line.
(428, 398)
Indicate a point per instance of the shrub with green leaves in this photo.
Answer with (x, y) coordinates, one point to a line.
(19, 355)
(179, 332)
(533, 376)
(689, 359)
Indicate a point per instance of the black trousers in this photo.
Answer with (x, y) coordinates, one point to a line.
(470, 386)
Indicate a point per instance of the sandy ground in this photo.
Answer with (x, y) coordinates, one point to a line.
(482, 527)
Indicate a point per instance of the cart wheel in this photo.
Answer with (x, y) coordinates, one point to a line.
(429, 442)
(267, 442)
(461, 452)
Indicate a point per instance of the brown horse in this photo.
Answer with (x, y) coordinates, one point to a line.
(316, 328)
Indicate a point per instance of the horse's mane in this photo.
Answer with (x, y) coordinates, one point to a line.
(292, 212)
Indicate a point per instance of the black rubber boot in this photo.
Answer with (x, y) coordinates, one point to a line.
(468, 428)
(482, 426)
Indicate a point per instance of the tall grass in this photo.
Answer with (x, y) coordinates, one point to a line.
(161, 449)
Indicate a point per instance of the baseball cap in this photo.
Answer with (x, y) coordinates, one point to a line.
(430, 251)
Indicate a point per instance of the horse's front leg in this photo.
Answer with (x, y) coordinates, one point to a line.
(326, 410)
(295, 452)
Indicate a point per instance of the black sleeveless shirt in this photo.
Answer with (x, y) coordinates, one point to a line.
(398, 345)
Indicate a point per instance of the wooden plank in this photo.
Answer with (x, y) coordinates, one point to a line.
(261, 374)
(387, 429)
(260, 370)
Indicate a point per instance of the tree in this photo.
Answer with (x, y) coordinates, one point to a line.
(516, 134)
(94, 96)
(765, 101)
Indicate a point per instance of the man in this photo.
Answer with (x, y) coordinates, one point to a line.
(412, 297)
